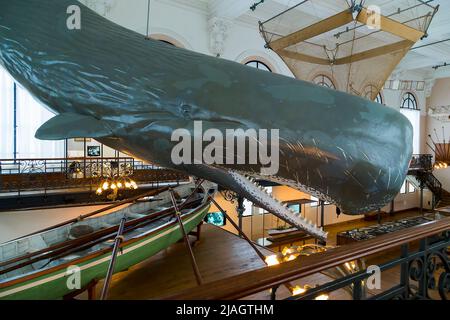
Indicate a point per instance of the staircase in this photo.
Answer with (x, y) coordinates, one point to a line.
(421, 168)
(445, 200)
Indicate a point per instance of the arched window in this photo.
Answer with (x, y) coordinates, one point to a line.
(369, 92)
(379, 98)
(410, 109)
(409, 102)
(324, 81)
(168, 42)
(258, 65)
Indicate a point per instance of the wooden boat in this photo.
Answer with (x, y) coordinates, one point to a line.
(42, 265)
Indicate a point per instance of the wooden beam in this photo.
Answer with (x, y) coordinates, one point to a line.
(394, 27)
(313, 30)
(302, 57)
(372, 53)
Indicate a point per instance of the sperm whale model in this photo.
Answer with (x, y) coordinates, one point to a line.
(109, 83)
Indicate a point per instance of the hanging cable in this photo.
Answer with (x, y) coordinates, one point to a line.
(147, 35)
(351, 55)
(445, 64)
(430, 44)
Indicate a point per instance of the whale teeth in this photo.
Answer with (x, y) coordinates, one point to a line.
(265, 198)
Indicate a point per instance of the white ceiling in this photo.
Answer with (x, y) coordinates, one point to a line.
(419, 61)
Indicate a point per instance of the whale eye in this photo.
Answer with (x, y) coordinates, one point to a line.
(186, 110)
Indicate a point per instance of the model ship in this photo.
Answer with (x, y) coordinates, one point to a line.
(36, 266)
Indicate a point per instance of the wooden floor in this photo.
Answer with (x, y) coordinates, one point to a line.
(221, 254)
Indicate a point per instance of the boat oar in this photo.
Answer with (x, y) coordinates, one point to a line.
(185, 237)
(112, 263)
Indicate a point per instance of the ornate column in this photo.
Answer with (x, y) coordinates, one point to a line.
(429, 84)
(219, 29)
(102, 7)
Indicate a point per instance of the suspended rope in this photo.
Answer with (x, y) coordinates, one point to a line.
(147, 35)
(351, 56)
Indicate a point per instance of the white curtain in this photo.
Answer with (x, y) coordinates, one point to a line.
(414, 117)
(30, 116)
(6, 115)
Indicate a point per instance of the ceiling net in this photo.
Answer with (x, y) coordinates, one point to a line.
(345, 44)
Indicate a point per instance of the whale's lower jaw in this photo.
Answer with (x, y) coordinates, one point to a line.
(317, 194)
(249, 188)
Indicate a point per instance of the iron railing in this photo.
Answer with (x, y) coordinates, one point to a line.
(421, 162)
(87, 167)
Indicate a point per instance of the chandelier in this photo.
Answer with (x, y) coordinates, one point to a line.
(112, 186)
(122, 183)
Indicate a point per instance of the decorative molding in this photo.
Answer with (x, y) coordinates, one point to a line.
(230, 196)
(219, 29)
(404, 85)
(441, 113)
(429, 84)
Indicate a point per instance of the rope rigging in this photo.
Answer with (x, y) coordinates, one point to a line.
(334, 42)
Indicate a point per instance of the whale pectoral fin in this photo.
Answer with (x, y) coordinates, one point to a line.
(71, 125)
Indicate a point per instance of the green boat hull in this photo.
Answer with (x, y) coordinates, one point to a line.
(55, 285)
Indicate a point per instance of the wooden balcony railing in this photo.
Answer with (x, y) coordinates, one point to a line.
(434, 239)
